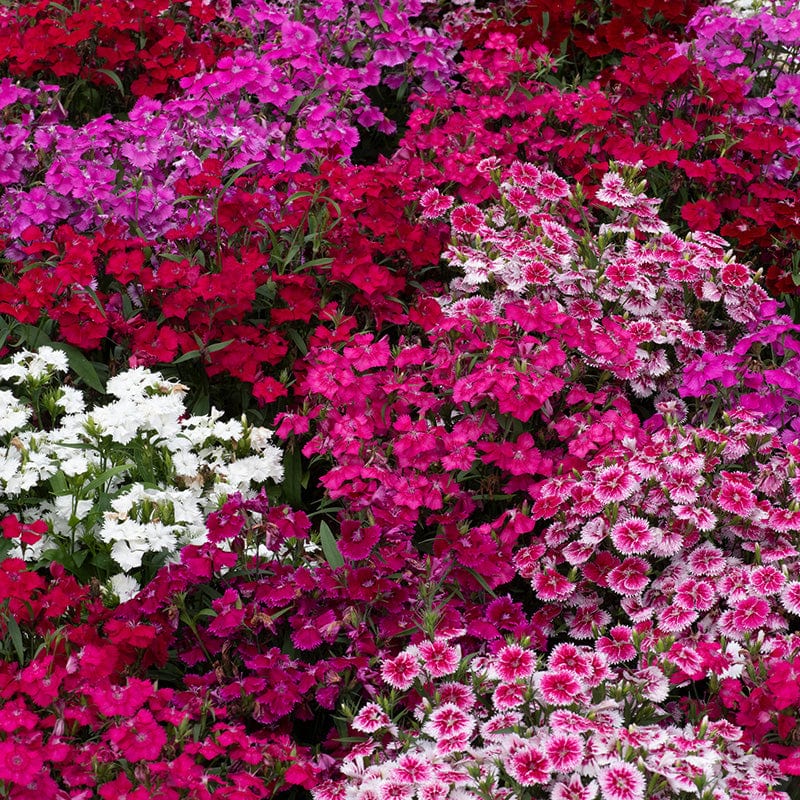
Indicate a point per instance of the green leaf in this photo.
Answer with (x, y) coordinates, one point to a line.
(81, 366)
(213, 348)
(190, 356)
(298, 339)
(16, 638)
(103, 477)
(292, 477)
(114, 77)
(238, 174)
(482, 581)
(329, 546)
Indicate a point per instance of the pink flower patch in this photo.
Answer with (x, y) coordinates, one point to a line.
(439, 658)
(630, 577)
(371, 718)
(564, 750)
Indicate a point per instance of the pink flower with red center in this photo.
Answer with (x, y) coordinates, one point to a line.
(706, 560)
(749, 614)
(439, 658)
(630, 577)
(551, 187)
(499, 724)
(568, 656)
(447, 721)
(513, 662)
(560, 687)
(524, 174)
(674, 618)
(633, 535)
(564, 750)
(509, 695)
(620, 780)
(767, 580)
(790, 597)
(400, 672)
(735, 495)
(371, 718)
(697, 595)
(434, 790)
(528, 766)
(467, 219)
(413, 769)
(618, 645)
(434, 203)
(457, 693)
(614, 191)
(574, 790)
(552, 585)
(395, 789)
(614, 484)
(736, 275)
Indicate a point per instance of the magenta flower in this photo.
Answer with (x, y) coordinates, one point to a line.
(400, 672)
(528, 765)
(371, 718)
(560, 687)
(513, 662)
(621, 781)
(449, 721)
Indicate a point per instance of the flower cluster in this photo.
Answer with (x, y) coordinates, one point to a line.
(128, 480)
(511, 723)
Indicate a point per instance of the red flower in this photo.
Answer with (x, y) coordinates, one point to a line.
(701, 215)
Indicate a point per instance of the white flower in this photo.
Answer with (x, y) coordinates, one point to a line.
(13, 414)
(124, 587)
(71, 400)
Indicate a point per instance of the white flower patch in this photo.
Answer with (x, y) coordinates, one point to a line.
(136, 474)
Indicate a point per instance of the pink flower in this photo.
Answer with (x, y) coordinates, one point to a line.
(613, 485)
(552, 585)
(564, 750)
(574, 790)
(401, 671)
(736, 494)
(706, 560)
(434, 204)
(528, 766)
(467, 219)
(514, 662)
(509, 695)
(439, 658)
(412, 769)
(692, 594)
(632, 535)
(568, 656)
(790, 597)
(618, 646)
(621, 781)
(140, 739)
(560, 687)
(674, 618)
(447, 721)
(20, 763)
(767, 580)
(630, 577)
(371, 718)
(749, 614)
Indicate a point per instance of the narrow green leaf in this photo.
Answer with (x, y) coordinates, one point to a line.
(292, 477)
(213, 348)
(238, 174)
(81, 366)
(190, 356)
(114, 77)
(16, 638)
(329, 546)
(103, 477)
(297, 338)
(481, 580)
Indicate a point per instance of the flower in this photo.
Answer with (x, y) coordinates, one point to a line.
(620, 780)
(528, 765)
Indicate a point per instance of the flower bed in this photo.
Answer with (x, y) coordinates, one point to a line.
(399, 400)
